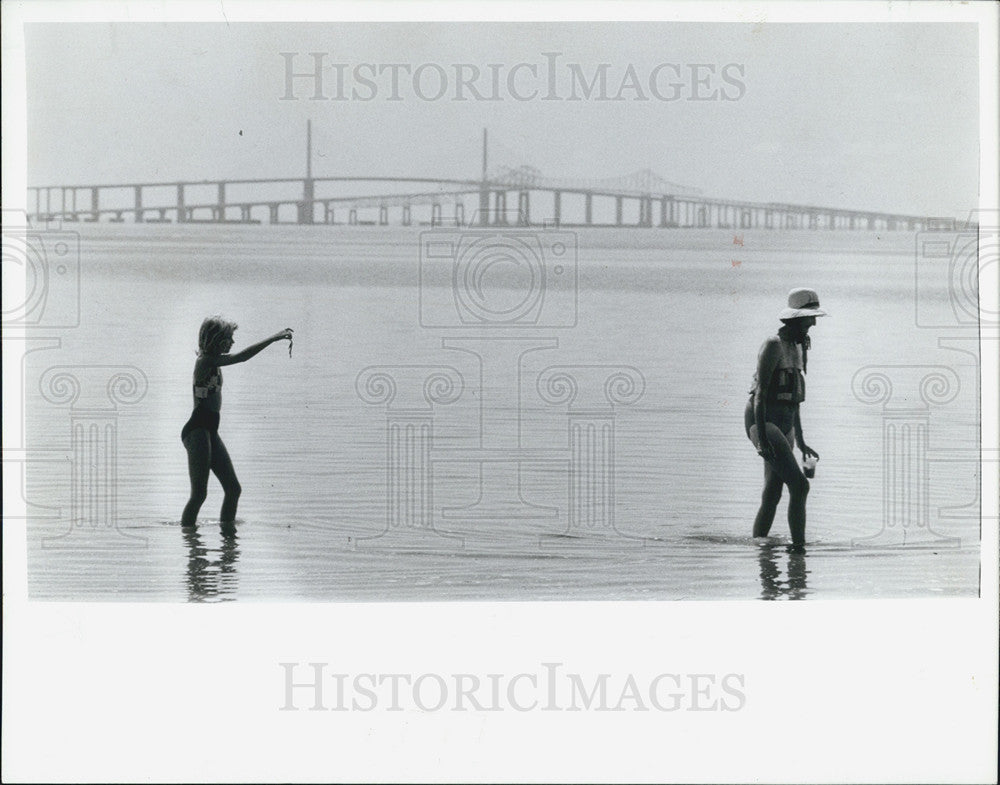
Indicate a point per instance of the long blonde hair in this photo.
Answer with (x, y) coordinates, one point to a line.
(213, 331)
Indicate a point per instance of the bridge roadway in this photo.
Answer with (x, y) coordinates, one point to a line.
(654, 209)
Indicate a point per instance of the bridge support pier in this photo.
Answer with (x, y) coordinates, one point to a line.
(500, 208)
(308, 196)
(383, 215)
(406, 214)
(646, 211)
(459, 214)
(181, 211)
(435, 214)
(557, 207)
(588, 209)
(352, 217)
(220, 201)
(524, 208)
(136, 203)
(618, 210)
(484, 206)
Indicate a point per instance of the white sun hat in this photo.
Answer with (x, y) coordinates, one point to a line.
(802, 302)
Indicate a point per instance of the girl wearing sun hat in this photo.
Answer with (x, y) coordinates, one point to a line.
(773, 410)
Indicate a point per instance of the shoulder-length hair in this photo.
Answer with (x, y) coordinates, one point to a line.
(214, 330)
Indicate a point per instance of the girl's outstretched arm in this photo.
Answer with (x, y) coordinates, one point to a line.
(252, 351)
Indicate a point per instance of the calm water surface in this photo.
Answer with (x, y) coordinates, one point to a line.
(664, 514)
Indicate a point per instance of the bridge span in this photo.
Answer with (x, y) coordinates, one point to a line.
(520, 196)
(493, 202)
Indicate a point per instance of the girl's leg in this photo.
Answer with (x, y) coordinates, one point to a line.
(787, 468)
(199, 449)
(222, 466)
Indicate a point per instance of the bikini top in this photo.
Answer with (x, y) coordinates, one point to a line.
(211, 386)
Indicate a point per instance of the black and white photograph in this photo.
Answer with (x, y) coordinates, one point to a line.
(551, 343)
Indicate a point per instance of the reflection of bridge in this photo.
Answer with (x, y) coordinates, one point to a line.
(639, 199)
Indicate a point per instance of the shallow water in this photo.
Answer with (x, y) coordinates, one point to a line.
(493, 495)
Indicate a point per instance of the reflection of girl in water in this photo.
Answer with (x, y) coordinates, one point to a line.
(212, 578)
(773, 410)
(200, 434)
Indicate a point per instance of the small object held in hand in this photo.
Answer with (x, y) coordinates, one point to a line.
(809, 466)
(289, 347)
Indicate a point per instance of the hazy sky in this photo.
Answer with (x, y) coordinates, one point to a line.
(881, 117)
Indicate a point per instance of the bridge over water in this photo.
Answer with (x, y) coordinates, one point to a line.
(520, 196)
